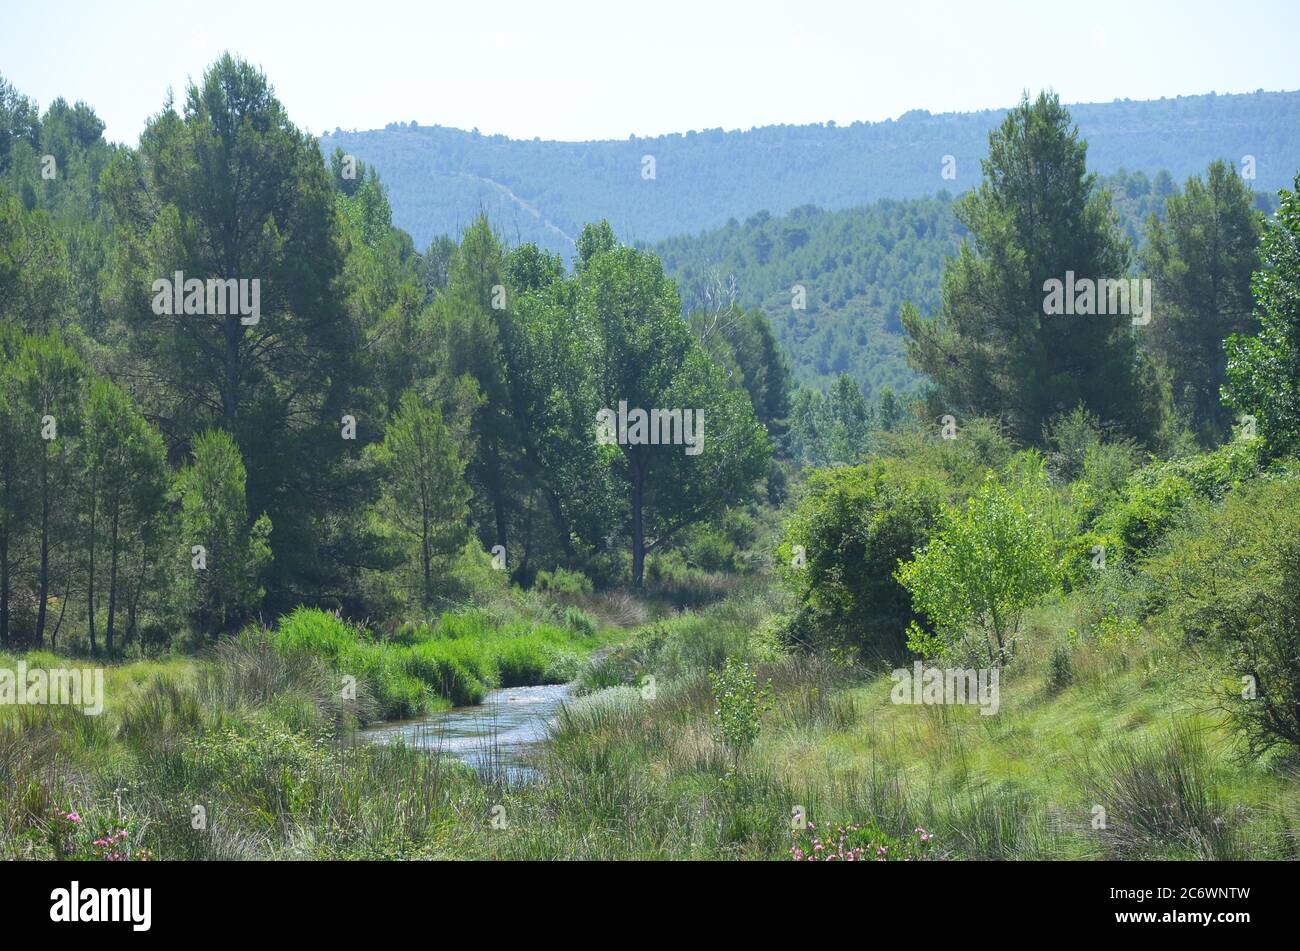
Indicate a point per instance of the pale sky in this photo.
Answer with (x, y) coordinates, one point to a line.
(572, 69)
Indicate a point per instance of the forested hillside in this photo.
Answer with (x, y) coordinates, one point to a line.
(543, 191)
(857, 267)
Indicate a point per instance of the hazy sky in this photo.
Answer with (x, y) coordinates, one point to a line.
(569, 69)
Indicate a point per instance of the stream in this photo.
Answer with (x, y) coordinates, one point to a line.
(495, 736)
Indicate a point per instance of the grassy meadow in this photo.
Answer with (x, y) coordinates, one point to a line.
(248, 751)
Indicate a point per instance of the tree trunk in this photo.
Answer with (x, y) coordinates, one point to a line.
(230, 390)
(112, 578)
(90, 581)
(44, 577)
(426, 557)
(498, 497)
(4, 588)
(638, 529)
(133, 599)
(4, 560)
(58, 625)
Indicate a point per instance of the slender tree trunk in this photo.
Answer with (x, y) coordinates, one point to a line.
(133, 599)
(112, 577)
(230, 390)
(426, 557)
(1000, 658)
(530, 510)
(498, 496)
(4, 586)
(4, 552)
(90, 581)
(43, 581)
(638, 529)
(58, 625)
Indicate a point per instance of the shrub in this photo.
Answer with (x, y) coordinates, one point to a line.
(741, 704)
(1060, 672)
(1071, 435)
(842, 547)
(959, 464)
(1147, 509)
(1107, 467)
(711, 551)
(988, 562)
(1156, 495)
(1086, 555)
(1231, 574)
(563, 581)
(1265, 703)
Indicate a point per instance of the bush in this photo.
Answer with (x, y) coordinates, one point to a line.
(985, 565)
(563, 581)
(1155, 495)
(1231, 575)
(1060, 672)
(841, 548)
(1071, 435)
(1087, 554)
(1151, 501)
(1265, 703)
(960, 464)
(710, 550)
(741, 704)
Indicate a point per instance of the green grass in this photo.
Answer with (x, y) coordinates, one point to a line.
(456, 660)
(1132, 733)
(254, 733)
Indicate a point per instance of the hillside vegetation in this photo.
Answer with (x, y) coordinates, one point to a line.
(544, 192)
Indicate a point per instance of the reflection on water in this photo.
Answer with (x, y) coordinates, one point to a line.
(493, 737)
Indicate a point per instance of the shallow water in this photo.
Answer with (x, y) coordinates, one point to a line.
(494, 737)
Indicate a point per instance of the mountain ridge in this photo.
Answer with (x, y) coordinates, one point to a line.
(702, 179)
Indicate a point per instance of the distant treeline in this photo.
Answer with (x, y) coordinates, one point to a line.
(440, 179)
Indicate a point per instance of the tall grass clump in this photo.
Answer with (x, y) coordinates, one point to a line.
(1159, 799)
(351, 652)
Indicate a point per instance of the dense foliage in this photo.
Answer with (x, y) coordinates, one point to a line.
(231, 387)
